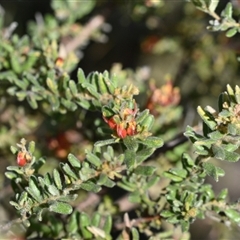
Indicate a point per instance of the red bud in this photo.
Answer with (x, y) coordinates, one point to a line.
(21, 159)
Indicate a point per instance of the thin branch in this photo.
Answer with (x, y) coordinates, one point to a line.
(92, 199)
(83, 36)
(214, 15)
(7, 226)
(136, 222)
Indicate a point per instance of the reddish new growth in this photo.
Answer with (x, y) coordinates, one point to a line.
(167, 95)
(127, 125)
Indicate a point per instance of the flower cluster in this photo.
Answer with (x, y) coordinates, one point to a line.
(24, 156)
(165, 96)
(124, 122)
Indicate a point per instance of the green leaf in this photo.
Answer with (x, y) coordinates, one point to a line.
(84, 223)
(167, 214)
(213, 171)
(231, 32)
(110, 84)
(142, 116)
(14, 204)
(33, 189)
(68, 94)
(15, 64)
(148, 121)
(221, 100)
(84, 103)
(173, 177)
(129, 158)
(187, 161)
(11, 175)
(189, 199)
(75, 162)
(21, 95)
(178, 172)
(145, 170)
(108, 224)
(26, 223)
(130, 187)
(72, 225)
(108, 111)
(61, 207)
(213, 5)
(73, 87)
(222, 154)
(47, 179)
(185, 225)
(104, 180)
(207, 118)
(233, 215)
(68, 104)
(11, 90)
(53, 190)
(90, 187)
(68, 198)
(216, 135)
(135, 234)
(57, 179)
(52, 85)
(227, 12)
(67, 169)
(32, 101)
(23, 198)
(104, 142)
(153, 142)
(101, 83)
(173, 219)
(93, 159)
(92, 91)
(152, 181)
(130, 143)
(222, 195)
(96, 219)
(54, 102)
(134, 197)
(13, 149)
(39, 214)
(144, 154)
(15, 169)
(31, 147)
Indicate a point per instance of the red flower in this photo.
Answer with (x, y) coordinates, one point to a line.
(111, 123)
(21, 159)
(121, 131)
(131, 129)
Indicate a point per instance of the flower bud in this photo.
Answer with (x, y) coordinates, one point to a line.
(21, 159)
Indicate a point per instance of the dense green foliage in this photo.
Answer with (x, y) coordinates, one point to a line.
(100, 155)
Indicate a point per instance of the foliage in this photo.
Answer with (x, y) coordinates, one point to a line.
(113, 170)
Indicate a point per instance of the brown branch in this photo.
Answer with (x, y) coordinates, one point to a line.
(83, 36)
(92, 199)
(134, 222)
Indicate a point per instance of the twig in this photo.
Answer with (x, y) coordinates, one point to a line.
(135, 222)
(7, 226)
(171, 144)
(92, 199)
(176, 141)
(124, 204)
(83, 36)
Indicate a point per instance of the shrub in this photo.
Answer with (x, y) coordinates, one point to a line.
(100, 155)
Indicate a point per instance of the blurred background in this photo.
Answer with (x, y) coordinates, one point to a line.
(170, 40)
